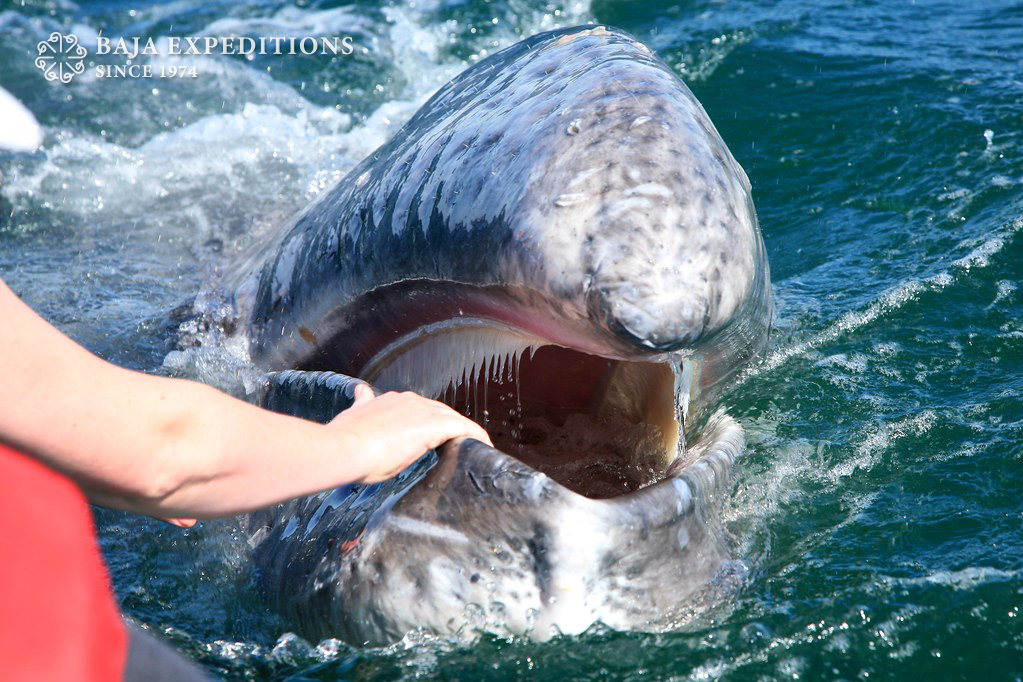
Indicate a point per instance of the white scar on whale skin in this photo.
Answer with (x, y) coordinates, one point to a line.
(650, 189)
(422, 528)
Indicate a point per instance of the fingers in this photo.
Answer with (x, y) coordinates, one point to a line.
(463, 426)
(476, 431)
(443, 421)
(180, 523)
(394, 429)
(363, 394)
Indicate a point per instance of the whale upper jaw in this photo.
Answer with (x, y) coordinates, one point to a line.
(476, 540)
(575, 165)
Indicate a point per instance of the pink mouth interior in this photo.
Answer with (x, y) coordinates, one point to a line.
(597, 426)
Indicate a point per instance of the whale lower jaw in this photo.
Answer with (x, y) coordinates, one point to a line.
(512, 550)
(474, 540)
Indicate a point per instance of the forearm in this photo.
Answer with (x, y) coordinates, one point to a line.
(144, 443)
(204, 454)
(169, 447)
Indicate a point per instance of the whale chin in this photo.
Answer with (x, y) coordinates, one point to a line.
(600, 426)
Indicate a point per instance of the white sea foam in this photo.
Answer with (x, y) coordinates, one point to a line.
(1006, 290)
(268, 140)
(293, 21)
(700, 62)
(880, 438)
(963, 579)
(979, 256)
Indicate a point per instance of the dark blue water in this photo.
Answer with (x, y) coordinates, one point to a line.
(879, 507)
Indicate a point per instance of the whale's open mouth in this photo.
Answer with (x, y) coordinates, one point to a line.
(599, 426)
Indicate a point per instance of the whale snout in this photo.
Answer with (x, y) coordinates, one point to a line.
(668, 289)
(660, 321)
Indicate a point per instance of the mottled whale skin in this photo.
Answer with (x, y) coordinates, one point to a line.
(570, 188)
(471, 540)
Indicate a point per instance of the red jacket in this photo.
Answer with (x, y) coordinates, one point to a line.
(60, 620)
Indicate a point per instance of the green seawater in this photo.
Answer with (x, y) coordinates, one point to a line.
(876, 519)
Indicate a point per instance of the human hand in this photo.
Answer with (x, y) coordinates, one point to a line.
(393, 430)
(180, 523)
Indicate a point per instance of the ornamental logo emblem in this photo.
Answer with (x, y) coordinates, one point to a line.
(61, 58)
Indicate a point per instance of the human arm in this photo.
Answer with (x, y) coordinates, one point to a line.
(177, 448)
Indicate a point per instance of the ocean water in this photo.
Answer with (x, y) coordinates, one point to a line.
(877, 516)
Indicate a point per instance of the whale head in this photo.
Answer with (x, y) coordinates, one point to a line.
(560, 245)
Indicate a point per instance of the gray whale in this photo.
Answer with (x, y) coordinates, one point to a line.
(560, 244)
